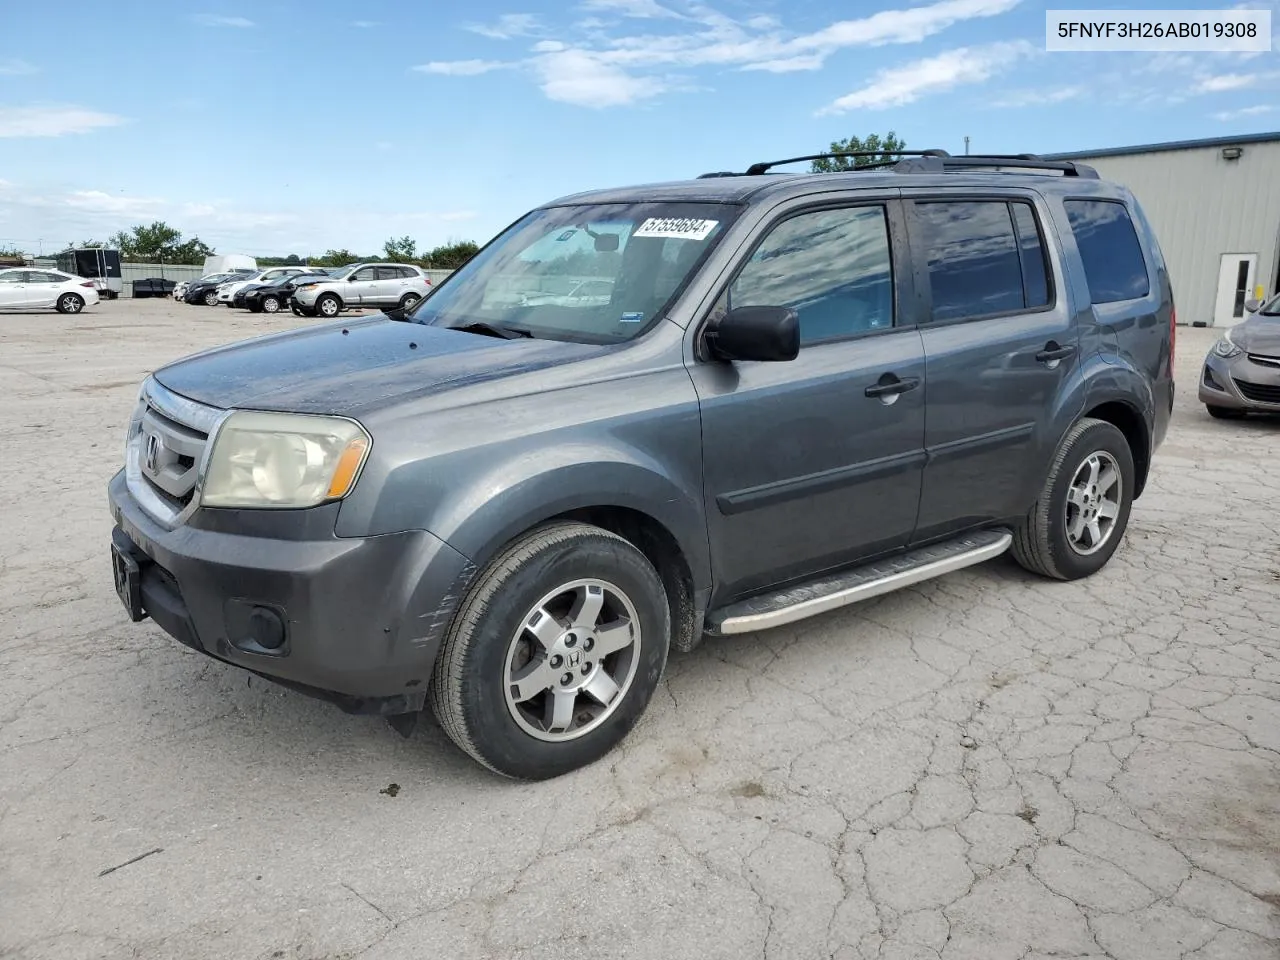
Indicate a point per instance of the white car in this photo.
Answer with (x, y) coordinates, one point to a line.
(180, 289)
(381, 286)
(26, 289)
(228, 291)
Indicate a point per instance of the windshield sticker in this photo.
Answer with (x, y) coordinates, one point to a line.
(677, 228)
(632, 317)
(566, 235)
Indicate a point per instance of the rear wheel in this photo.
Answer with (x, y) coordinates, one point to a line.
(408, 300)
(328, 305)
(70, 303)
(270, 305)
(1080, 517)
(554, 654)
(1224, 413)
(211, 299)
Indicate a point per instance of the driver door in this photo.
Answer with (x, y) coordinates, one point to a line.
(363, 286)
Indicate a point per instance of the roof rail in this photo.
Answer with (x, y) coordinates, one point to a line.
(927, 161)
(1018, 161)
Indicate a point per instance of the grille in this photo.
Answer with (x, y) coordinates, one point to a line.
(1260, 392)
(166, 446)
(1265, 360)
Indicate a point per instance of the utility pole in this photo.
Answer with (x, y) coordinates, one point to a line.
(966, 146)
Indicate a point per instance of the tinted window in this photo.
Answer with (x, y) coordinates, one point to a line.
(974, 268)
(831, 266)
(1109, 248)
(46, 278)
(408, 273)
(13, 276)
(1035, 275)
(389, 273)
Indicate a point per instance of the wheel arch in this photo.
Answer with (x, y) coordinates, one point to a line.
(1125, 417)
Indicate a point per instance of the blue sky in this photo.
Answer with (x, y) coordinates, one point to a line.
(278, 127)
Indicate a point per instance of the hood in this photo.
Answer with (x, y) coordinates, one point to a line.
(1258, 334)
(343, 367)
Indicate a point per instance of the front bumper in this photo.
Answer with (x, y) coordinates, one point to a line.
(1240, 383)
(360, 619)
(305, 297)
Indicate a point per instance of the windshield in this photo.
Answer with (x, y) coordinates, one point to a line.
(598, 273)
(341, 273)
(1271, 308)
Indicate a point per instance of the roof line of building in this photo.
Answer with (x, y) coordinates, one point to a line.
(1161, 147)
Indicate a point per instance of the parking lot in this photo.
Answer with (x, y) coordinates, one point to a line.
(984, 767)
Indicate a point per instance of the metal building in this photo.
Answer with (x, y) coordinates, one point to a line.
(1215, 207)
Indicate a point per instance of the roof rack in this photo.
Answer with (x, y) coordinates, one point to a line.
(927, 161)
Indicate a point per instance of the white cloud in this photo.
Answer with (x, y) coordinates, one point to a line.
(1038, 98)
(508, 25)
(583, 79)
(460, 68)
(13, 67)
(53, 120)
(214, 20)
(631, 68)
(1227, 115)
(365, 24)
(1226, 81)
(906, 84)
(639, 9)
(99, 202)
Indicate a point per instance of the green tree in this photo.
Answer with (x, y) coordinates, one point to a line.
(404, 250)
(450, 256)
(881, 147)
(158, 242)
(334, 258)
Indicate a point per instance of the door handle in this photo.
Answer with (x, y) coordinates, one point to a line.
(1052, 352)
(890, 386)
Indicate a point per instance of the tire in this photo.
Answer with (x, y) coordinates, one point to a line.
(269, 305)
(328, 306)
(474, 690)
(408, 300)
(1043, 541)
(70, 303)
(211, 299)
(1224, 413)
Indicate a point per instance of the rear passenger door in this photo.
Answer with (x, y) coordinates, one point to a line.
(1000, 343)
(391, 283)
(815, 462)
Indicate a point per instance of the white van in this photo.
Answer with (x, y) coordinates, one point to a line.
(229, 263)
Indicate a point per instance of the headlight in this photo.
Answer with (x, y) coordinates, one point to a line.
(1226, 347)
(283, 460)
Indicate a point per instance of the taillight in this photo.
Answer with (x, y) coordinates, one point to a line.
(87, 283)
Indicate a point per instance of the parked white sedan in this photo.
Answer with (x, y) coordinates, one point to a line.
(25, 289)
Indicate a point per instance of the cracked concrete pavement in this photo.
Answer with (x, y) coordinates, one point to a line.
(986, 767)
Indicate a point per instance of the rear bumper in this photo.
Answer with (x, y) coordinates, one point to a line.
(359, 620)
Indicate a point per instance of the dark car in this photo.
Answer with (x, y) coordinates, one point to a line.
(1241, 373)
(274, 296)
(204, 292)
(799, 392)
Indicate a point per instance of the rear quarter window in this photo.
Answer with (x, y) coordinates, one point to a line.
(1109, 249)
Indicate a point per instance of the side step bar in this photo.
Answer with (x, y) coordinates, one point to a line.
(861, 583)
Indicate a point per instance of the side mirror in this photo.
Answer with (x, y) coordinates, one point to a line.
(1252, 306)
(756, 333)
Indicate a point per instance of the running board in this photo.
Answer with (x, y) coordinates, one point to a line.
(861, 583)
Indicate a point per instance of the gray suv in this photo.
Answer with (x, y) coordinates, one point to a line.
(801, 391)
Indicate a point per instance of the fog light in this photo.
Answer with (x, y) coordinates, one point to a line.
(1210, 381)
(266, 629)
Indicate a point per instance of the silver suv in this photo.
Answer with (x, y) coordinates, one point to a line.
(379, 285)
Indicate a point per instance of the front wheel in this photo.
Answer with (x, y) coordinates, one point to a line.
(270, 305)
(1224, 413)
(210, 299)
(70, 303)
(328, 305)
(1083, 509)
(554, 653)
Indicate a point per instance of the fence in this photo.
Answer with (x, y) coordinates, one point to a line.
(177, 272)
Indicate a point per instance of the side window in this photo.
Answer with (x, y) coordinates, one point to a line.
(832, 267)
(368, 273)
(1035, 267)
(1109, 248)
(13, 276)
(388, 273)
(974, 267)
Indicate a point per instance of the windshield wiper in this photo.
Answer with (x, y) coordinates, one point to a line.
(492, 330)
